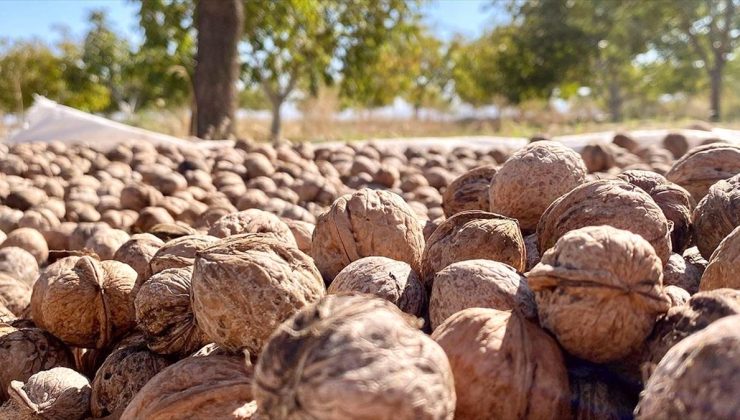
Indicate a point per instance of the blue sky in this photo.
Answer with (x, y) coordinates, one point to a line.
(42, 18)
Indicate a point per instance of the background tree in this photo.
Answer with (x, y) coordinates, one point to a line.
(219, 24)
(711, 30)
(306, 43)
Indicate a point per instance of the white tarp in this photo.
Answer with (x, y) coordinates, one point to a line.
(48, 121)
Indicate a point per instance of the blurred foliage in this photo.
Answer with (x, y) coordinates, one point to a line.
(621, 59)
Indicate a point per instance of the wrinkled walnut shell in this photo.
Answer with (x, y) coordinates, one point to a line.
(364, 224)
(352, 356)
(383, 277)
(717, 214)
(531, 179)
(504, 366)
(472, 235)
(607, 202)
(697, 378)
(469, 191)
(599, 291)
(244, 286)
(210, 387)
(724, 266)
(479, 284)
(703, 166)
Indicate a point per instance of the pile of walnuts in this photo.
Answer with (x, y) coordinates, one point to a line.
(365, 281)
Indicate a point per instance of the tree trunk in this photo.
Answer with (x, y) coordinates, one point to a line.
(615, 101)
(219, 24)
(276, 124)
(715, 99)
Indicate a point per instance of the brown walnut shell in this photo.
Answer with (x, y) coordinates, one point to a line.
(607, 202)
(89, 305)
(210, 387)
(702, 166)
(697, 378)
(675, 202)
(499, 353)
(717, 214)
(245, 285)
(599, 291)
(724, 266)
(364, 224)
(472, 235)
(180, 252)
(31, 240)
(137, 252)
(479, 284)
(165, 315)
(353, 356)
(679, 322)
(26, 351)
(531, 179)
(123, 373)
(252, 221)
(469, 191)
(383, 277)
(19, 264)
(57, 393)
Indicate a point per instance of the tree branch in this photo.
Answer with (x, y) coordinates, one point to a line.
(694, 41)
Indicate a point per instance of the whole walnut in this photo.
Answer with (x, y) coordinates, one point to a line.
(57, 393)
(469, 191)
(675, 202)
(26, 351)
(383, 277)
(245, 285)
(472, 235)
(209, 387)
(678, 272)
(19, 264)
(697, 378)
(700, 311)
(352, 356)
(106, 242)
(607, 202)
(150, 217)
(40, 219)
(302, 233)
(717, 214)
(139, 196)
(366, 223)
(53, 272)
(252, 221)
(599, 291)
(625, 141)
(479, 284)
(137, 252)
(724, 265)
(82, 232)
(9, 218)
(123, 373)
(88, 305)
(676, 295)
(165, 315)
(702, 166)
(180, 252)
(676, 143)
(30, 240)
(505, 366)
(15, 295)
(532, 178)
